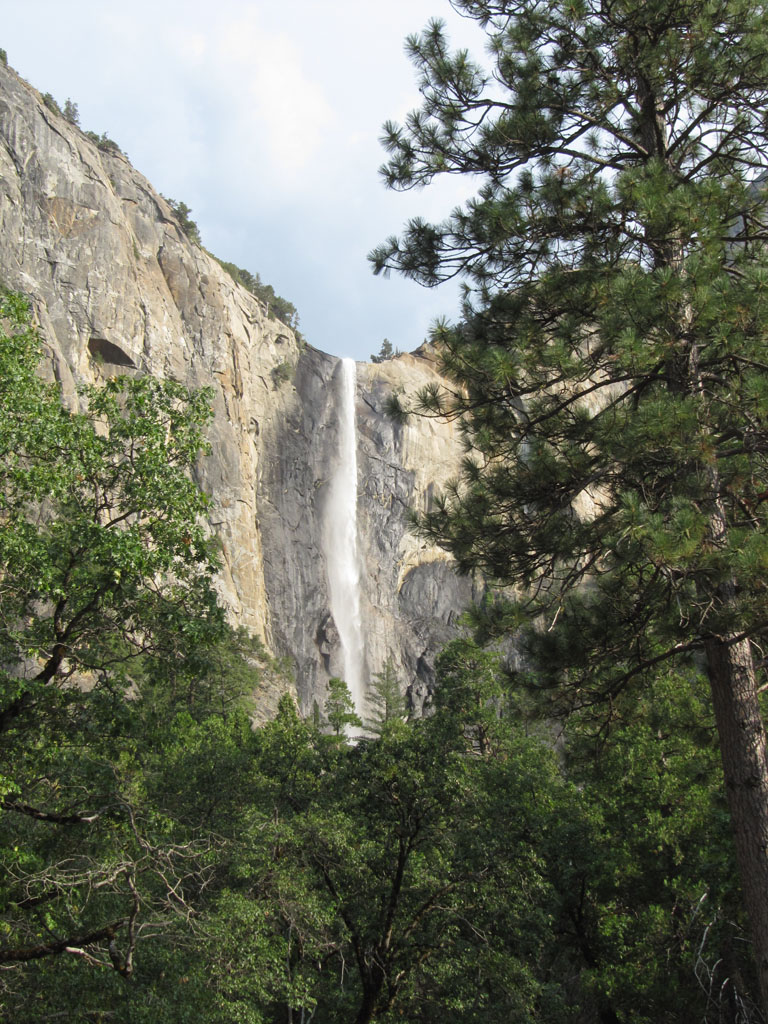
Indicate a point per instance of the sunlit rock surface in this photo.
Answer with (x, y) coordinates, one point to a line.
(118, 287)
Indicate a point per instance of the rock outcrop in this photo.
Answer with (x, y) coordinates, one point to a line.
(118, 287)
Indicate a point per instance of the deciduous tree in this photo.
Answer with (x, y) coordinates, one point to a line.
(106, 599)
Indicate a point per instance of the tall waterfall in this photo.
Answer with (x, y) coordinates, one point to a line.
(341, 549)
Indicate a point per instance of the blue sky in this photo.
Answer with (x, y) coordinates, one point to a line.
(263, 117)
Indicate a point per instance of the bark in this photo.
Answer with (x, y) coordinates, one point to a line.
(372, 985)
(745, 769)
(48, 672)
(732, 679)
(26, 953)
(57, 819)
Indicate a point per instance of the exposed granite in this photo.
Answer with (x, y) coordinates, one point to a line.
(118, 287)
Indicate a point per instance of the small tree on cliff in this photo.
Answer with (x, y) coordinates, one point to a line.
(612, 353)
(71, 112)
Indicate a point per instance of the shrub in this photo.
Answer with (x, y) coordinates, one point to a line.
(282, 373)
(188, 226)
(103, 142)
(51, 103)
(277, 306)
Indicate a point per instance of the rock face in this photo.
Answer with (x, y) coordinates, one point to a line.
(117, 287)
(410, 596)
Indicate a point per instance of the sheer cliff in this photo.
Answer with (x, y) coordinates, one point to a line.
(118, 287)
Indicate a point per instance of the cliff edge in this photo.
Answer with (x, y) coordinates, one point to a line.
(118, 287)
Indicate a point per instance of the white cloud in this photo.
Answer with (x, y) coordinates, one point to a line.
(264, 117)
(269, 117)
(287, 109)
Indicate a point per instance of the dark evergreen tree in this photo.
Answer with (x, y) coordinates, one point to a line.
(610, 367)
(339, 707)
(183, 214)
(385, 352)
(385, 700)
(71, 112)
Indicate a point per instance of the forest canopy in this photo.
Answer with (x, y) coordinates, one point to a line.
(554, 841)
(165, 861)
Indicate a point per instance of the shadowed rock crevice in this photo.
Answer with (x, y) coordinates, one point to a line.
(107, 352)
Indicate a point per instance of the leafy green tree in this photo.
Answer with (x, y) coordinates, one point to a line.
(282, 373)
(339, 707)
(102, 542)
(470, 691)
(419, 875)
(51, 103)
(112, 647)
(392, 881)
(276, 305)
(425, 874)
(609, 370)
(649, 905)
(104, 143)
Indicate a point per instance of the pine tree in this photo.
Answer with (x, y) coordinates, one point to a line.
(339, 707)
(71, 112)
(609, 369)
(385, 352)
(385, 700)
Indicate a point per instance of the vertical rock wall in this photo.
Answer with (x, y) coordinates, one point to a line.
(118, 287)
(411, 597)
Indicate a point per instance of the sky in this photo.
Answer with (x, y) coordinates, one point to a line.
(264, 117)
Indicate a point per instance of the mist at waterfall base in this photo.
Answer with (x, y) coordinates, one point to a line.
(340, 539)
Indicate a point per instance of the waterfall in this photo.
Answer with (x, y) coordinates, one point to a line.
(341, 549)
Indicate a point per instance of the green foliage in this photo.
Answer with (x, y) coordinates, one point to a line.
(469, 691)
(3, 57)
(51, 104)
(103, 142)
(282, 373)
(649, 888)
(188, 226)
(385, 352)
(339, 707)
(71, 112)
(384, 699)
(102, 543)
(277, 306)
(426, 874)
(120, 679)
(609, 370)
(445, 870)
(596, 359)
(383, 893)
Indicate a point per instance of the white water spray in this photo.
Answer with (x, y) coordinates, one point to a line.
(341, 550)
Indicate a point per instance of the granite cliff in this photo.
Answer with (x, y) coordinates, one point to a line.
(118, 287)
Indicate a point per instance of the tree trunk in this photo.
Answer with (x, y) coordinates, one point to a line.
(745, 769)
(368, 1003)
